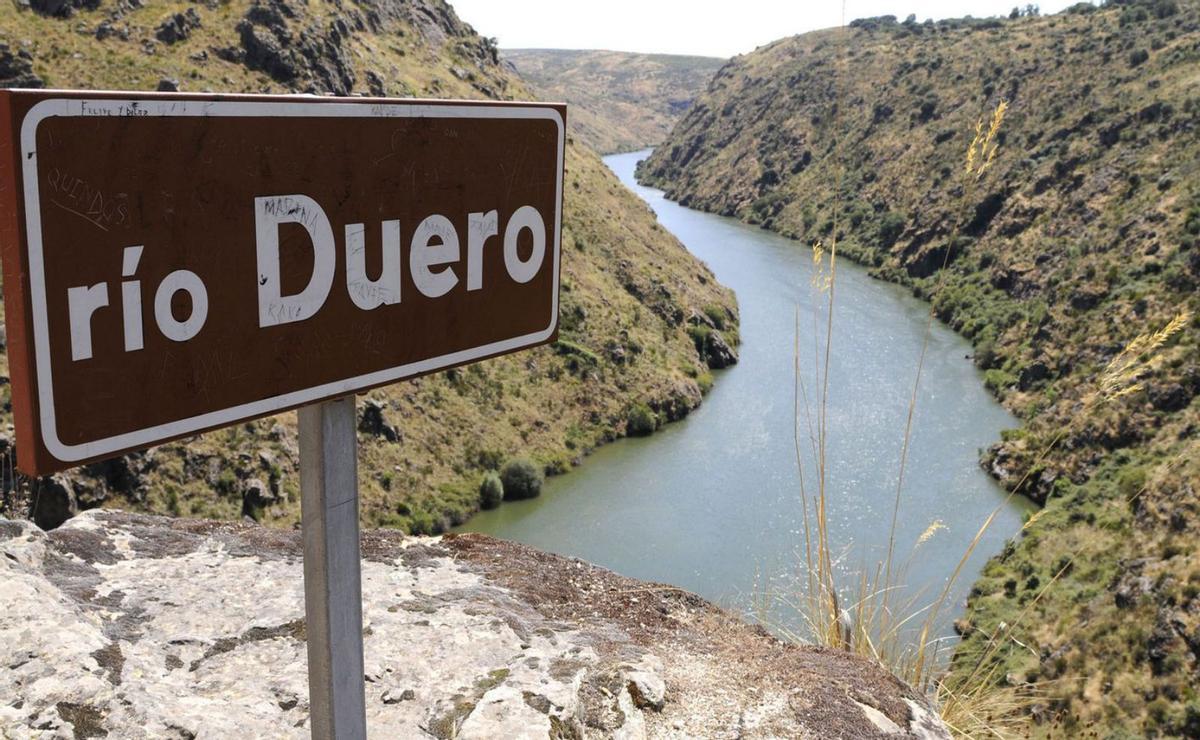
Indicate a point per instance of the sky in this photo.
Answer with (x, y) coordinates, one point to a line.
(703, 27)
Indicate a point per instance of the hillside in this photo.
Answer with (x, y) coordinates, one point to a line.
(1081, 238)
(630, 292)
(620, 101)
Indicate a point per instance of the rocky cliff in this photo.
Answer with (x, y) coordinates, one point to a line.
(1082, 239)
(630, 291)
(132, 626)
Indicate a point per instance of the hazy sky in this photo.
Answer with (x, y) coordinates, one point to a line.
(703, 27)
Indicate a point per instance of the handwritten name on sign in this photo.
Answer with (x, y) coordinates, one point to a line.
(177, 263)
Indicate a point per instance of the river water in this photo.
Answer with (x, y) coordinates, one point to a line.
(712, 503)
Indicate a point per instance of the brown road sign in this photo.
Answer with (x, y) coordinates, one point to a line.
(176, 263)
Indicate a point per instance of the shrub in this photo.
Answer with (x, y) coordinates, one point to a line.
(715, 314)
(998, 380)
(890, 228)
(1165, 8)
(641, 421)
(768, 205)
(985, 351)
(226, 482)
(699, 334)
(1133, 14)
(521, 479)
(928, 109)
(1131, 481)
(1137, 57)
(1192, 224)
(491, 491)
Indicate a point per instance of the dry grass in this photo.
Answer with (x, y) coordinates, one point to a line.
(867, 617)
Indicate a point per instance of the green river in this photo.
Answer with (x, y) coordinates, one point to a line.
(712, 503)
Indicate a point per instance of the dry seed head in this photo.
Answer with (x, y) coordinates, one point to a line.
(990, 145)
(984, 146)
(971, 150)
(930, 531)
(821, 279)
(1120, 377)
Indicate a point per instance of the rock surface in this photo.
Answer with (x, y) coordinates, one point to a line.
(16, 70)
(132, 626)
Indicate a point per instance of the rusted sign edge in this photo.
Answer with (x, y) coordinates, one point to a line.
(16, 293)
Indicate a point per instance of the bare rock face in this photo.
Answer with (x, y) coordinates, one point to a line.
(178, 27)
(16, 70)
(314, 58)
(718, 352)
(62, 8)
(138, 627)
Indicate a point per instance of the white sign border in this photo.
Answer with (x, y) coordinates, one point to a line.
(174, 107)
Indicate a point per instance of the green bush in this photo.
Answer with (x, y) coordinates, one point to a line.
(226, 482)
(890, 228)
(521, 479)
(491, 491)
(1192, 224)
(699, 334)
(998, 380)
(641, 421)
(715, 314)
(1131, 481)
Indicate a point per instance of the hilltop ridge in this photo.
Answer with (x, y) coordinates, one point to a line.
(620, 101)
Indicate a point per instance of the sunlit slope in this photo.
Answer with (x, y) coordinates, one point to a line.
(620, 101)
(629, 290)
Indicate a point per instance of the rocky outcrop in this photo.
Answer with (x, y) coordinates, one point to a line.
(60, 8)
(313, 57)
(718, 353)
(178, 27)
(135, 626)
(16, 68)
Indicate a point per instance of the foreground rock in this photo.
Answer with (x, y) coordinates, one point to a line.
(132, 626)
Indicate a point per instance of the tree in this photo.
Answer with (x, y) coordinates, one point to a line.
(521, 479)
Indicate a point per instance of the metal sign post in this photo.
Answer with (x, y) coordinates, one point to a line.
(332, 576)
(170, 268)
